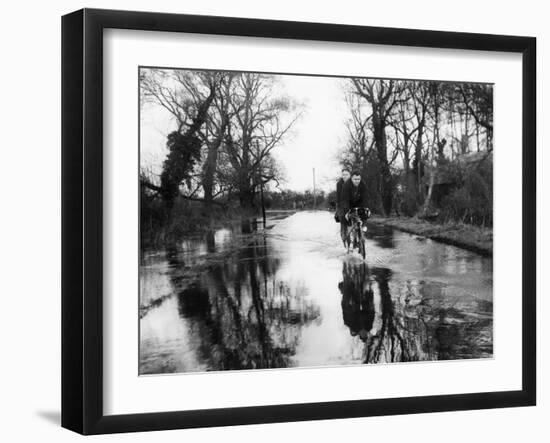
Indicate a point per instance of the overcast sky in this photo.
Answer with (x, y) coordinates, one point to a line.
(313, 143)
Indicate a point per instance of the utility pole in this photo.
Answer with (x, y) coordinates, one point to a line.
(314, 192)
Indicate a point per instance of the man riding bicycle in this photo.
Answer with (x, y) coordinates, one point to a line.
(356, 211)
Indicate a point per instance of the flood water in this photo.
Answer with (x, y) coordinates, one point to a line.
(290, 296)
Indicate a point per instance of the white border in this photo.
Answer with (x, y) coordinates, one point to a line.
(125, 392)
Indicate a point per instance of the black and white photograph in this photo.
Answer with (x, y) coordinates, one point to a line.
(275, 221)
(302, 221)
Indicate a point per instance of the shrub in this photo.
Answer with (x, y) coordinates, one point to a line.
(472, 201)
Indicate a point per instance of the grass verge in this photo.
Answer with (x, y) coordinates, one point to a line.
(474, 238)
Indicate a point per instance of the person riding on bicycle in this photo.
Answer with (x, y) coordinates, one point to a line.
(342, 205)
(357, 212)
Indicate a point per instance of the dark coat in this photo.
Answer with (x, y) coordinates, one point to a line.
(355, 196)
(341, 196)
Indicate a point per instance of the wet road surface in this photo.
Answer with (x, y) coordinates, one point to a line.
(290, 296)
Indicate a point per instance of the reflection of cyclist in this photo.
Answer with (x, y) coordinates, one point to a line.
(357, 300)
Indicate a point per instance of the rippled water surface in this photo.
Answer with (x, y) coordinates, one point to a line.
(290, 296)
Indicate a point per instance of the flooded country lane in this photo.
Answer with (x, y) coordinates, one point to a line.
(290, 296)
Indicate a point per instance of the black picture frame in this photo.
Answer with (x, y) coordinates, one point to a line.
(82, 218)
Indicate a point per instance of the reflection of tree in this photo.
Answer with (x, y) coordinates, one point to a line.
(391, 342)
(242, 316)
(415, 322)
(210, 242)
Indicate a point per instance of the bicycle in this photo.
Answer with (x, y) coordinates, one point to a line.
(357, 230)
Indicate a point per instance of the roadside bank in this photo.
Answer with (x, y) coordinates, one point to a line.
(473, 238)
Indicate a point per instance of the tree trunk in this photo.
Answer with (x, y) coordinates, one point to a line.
(418, 166)
(246, 200)
(406, 155)
(380, 142)
(246, 192)
(208, 175)
(209, 168)
(436, 143)
(174, 171)
(428, 200)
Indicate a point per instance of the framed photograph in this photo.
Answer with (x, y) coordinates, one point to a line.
(269, 221)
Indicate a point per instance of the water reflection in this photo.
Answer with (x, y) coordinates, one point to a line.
(243, 297)
(417, 322)
(238, 314)
(357, 299)
(381, 235)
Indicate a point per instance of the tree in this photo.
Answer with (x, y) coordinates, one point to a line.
(478, 99)
(216, 131)
(420, 101)
(256, 126)
(359, 139)
(382, 97)
(188, 97)
(413, 121)
(184, 151)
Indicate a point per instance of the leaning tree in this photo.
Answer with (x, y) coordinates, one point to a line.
(188, 97)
